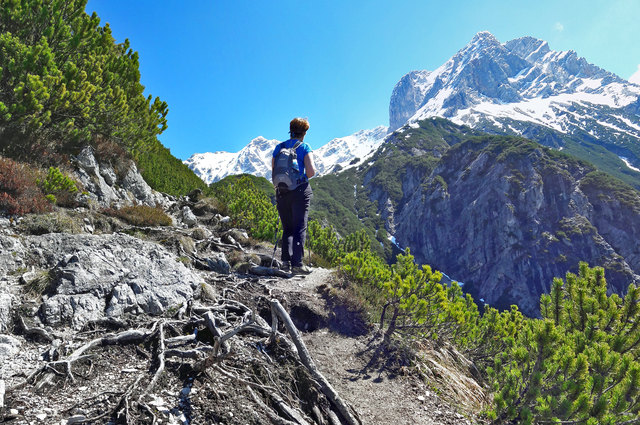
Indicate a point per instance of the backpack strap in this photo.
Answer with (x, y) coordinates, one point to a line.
(295, 148)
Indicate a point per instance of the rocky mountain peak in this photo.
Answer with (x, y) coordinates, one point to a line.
(260, 143)
(483, 41)
(522, 87)
(528, 48)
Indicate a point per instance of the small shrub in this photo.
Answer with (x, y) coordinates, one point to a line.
(141, 215)
(58, 187)
(19, 193)
(209, 205)
(325, 243)
(114, 154)
(39, 284)
(56, 222)
(249, 208)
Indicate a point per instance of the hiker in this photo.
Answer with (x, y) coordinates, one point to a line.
(291, 167)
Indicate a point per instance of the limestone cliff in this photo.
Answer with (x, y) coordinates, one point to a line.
(505, 216)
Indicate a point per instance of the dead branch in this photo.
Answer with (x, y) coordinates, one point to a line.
(210, 321)
(126, 337)
(106, 322)
(181, 340)
(275, 419)
(268, 271)
(123, 401)
(333, 418)
(345, 410)
(292, 413)
(318, 415)
(33, 331)
(161, 350)
(195, 354)
(244, 381)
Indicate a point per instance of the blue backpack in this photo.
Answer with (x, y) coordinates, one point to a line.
(286, 175)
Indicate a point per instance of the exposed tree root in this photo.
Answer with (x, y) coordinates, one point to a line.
(347, 412)
(217, 337)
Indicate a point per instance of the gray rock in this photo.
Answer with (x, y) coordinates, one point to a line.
(6, 303)
(188, 217)
(9, 346)
(122, 300)
(201, 233)
(87, 161)
(12, 254)
(106, 189)
(238, 235)
(109, 275)
(218, 263)
(109, 175)
(135, 184)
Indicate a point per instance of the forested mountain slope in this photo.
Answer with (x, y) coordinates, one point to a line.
(502, 214)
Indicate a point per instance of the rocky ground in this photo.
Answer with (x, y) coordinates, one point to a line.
(107, 323)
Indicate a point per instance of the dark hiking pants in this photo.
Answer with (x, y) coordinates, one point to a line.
(293, 208)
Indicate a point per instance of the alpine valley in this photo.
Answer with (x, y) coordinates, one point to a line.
(503, 168)
(133, 291)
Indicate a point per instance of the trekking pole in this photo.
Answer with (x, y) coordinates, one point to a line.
(275, 245)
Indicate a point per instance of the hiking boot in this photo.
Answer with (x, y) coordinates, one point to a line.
(302, 269)
(286, 266)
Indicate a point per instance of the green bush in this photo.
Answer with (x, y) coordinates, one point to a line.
(415, 299)
(64, 80)
(579, 364)
(326, 243)
(57, 187)
(249, 208)
(366, 272)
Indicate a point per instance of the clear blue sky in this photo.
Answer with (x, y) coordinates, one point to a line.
(233, 70)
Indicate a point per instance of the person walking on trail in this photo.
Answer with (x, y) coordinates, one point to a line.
(292, 166)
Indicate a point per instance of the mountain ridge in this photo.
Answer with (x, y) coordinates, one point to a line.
(524, 88)
(255, 157)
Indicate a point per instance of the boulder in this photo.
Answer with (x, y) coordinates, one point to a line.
(188, 217)
(109, 275)
(9, 346)
(104, 187)
(218, 263)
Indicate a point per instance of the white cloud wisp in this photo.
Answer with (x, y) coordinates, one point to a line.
(635, 78)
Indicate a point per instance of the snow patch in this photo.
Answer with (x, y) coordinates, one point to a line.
(628, 164)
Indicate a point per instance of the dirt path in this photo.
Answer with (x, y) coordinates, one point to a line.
(379, 397)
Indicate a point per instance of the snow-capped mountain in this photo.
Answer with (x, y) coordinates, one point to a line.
(255, 158)
(346, 152)
(523, 87)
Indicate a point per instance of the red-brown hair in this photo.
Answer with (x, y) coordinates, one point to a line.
(298, 127)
